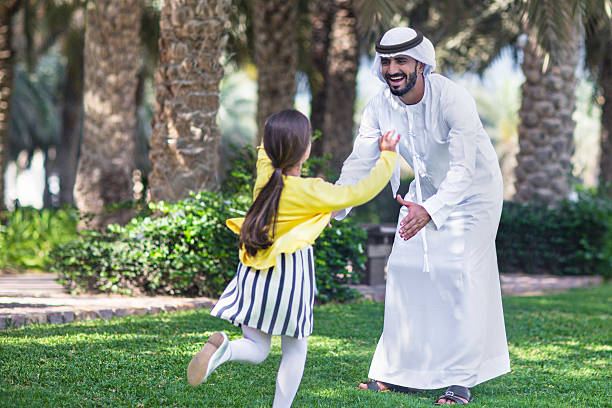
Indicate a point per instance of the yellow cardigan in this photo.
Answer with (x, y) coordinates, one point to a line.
(306, 204)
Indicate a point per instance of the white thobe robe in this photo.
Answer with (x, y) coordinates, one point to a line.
(445, 326)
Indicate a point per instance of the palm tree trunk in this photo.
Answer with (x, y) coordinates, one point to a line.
(546, 131)
(276, 51)
(112, 59)
(343, 62)
(7, 8)
(185, 139)
(72, 116)
(321, 17)
(605, 81)
(49, 164)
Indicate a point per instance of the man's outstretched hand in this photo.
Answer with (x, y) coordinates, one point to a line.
(416, 219)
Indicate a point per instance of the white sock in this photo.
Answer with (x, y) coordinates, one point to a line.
(253, 348)
(290, 370)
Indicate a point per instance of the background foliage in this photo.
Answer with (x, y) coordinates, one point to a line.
(575, 238)
(27, 235)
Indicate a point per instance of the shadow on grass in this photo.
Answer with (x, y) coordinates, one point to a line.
(560, 345)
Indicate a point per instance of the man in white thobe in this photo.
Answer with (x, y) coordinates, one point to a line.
(443, 322)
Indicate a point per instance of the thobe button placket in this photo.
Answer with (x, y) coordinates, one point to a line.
(418, 168)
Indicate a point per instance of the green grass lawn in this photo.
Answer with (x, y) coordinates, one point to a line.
(560, 350)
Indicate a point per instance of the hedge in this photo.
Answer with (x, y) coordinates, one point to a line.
(573, 238)
(185, 249)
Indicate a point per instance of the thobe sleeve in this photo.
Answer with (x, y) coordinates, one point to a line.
(461, 116)
(365, 152)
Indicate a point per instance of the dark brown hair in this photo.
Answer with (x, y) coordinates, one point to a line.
(286, 139)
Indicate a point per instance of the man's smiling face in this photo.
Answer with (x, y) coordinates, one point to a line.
(400, 72)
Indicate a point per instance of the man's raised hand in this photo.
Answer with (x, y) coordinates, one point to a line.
(388, 142)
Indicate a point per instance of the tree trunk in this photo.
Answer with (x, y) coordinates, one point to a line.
(49, 164)
(343, 62)
(185, 140)
(7, 8)
(321, 17)
(112, 59)
(276, 51)
(546, 131)
(605, 82)
(72, 116)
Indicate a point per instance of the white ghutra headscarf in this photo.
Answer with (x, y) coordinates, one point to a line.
(404, 41)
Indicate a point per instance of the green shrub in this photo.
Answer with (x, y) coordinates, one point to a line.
(339, 260)
(574, 238)
(27, 235)
(184, 248)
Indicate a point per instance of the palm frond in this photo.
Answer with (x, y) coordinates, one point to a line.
(374, 17)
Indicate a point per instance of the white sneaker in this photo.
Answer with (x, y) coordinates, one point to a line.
(207, 359)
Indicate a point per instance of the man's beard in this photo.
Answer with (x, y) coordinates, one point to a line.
(409, 84)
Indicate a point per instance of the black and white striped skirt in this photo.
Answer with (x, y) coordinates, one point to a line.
(277, 300)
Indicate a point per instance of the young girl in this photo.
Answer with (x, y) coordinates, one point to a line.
(273, 290)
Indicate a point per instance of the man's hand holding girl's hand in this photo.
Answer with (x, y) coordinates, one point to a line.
(388, 142)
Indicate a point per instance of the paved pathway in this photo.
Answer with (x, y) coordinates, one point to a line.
(38, 298)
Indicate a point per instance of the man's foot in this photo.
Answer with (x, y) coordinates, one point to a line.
(455, 394)
(379, 386)
(209, 358)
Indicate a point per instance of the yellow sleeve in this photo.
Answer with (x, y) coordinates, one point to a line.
(322, 196)
(264, 170)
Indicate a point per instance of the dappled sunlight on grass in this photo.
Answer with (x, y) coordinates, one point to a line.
(559, 344)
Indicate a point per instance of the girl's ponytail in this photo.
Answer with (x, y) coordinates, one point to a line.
(286, 139)
(255, 231)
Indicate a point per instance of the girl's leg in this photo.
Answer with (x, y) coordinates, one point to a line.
(253, 348)
(290, 370)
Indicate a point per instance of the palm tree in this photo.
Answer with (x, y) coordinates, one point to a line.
(7, 9)
(334, 53)
(321, 17)
(546, 131)
(548, 100)
(185, 138)
(275, 25)
(338, 30)
(605, 82)
(342, 65)
(112, 61)
(72, 113)
(598, 33)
